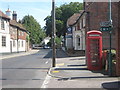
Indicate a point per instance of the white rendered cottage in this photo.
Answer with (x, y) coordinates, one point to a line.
(77, 25)
(4, 33)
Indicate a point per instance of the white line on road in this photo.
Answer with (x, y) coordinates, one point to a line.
(46, 81)
(46, 62)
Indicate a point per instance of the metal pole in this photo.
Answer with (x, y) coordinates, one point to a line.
(110, 33)
(53, 34)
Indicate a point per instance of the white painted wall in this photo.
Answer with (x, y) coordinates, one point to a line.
(69, 42)
(81, 34)
(46, 40)
(20, 47)
(5, 33)
(7, 48)
(13, 48)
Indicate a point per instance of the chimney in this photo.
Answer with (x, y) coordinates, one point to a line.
(14, 16)
(8, 13)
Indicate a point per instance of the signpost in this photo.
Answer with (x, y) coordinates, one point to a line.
(106, 26)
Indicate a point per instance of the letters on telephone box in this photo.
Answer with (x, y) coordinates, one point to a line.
(94, 50)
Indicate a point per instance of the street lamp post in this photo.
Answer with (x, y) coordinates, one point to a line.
(53, 34)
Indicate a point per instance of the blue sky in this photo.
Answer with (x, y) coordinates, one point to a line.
(39, 9)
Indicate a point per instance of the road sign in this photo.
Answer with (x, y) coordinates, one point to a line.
(105, 24)
(105, 28)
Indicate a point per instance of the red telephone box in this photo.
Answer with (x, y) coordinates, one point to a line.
(94, 50)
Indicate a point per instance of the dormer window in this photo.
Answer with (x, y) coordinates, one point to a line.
(2, 24)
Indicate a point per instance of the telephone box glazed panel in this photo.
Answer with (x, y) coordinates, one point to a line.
(94, 50)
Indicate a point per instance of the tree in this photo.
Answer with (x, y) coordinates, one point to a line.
(34, 28)
(62, 14)
(48, 27)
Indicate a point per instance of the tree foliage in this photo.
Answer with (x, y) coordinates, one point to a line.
(62, 14)
(34, 28)
(48, 27)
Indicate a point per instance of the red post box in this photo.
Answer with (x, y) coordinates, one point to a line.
(94, 50)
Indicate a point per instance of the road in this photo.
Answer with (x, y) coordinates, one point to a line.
(26, 71)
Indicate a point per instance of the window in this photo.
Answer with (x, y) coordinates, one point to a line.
(2, 24)
(78, 41)
(14, 43)
(3, 41)
(22, 33)
(22, 44)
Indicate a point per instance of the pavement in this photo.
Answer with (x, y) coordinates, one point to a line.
(12, 55)
(72, 72)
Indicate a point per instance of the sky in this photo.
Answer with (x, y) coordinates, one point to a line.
(39, 9)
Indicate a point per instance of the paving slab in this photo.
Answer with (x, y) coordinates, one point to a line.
(72, 72)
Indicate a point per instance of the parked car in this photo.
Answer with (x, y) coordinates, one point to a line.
(46, 47)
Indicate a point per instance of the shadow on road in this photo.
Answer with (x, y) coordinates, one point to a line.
(59, 54)
(85, 77)
(81, 58)
(110, 85)
(76, 65)
(71, 69)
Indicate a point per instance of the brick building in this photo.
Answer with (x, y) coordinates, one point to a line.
(18, 37)
(18, 34)
(97, 12)
(118, 43)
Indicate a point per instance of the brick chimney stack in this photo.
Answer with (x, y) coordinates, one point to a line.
(14, 16)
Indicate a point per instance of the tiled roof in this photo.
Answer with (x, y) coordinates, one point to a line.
(16, 24)
(3, 15)
(74, 18)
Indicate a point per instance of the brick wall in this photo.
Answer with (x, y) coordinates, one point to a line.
(98, 12)
(22, 35)
(118, 44)
(13, 32)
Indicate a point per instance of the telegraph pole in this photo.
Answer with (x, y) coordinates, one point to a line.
(53, 34)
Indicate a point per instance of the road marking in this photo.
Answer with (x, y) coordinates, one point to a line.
(55, 71)
(46, 62)
(61, 64)
(46, 81)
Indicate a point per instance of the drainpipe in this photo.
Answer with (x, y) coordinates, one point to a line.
(17, 42)
(110, 36)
